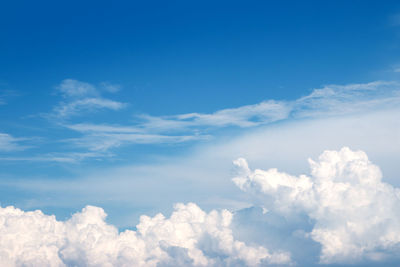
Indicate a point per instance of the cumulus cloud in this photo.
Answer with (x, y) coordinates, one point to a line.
(189, 237)
(356, 216)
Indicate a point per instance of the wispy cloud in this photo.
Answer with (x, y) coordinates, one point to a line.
(96, 140)
(336, 100)
(66, 157)
(5, 94)
(66, 109)
(245, 116)
(331, 100)
(82, 97)
(9, 143)
(110, 87)
(101, 141)
(74, 88)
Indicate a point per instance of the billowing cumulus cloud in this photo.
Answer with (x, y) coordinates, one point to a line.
(356, 216)
(189, 237)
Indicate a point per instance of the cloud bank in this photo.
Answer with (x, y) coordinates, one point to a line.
(343, 205)
(189, 237)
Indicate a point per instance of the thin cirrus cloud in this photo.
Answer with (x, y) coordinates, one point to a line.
(96, 140)
(83, 97)
(9, 143)
(66, 157)
(331, 100)
(105, 141)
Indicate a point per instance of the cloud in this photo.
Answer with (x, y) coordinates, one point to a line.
(343, 206)
(109, 87)
(104, 137)
(201, 174)
(189, 237)
(74, 88)
(65, 157)
(101, 128)
(6, 94)
(245, 116)
(329, 101)
(81, 97)
(105, 141)
(9, 143)
(356, 216)
(66, 109)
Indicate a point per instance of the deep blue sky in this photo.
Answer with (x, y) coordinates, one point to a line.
(180, 56)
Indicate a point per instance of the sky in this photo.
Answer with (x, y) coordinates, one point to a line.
(199, 133)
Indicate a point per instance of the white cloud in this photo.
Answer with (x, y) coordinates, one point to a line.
(245, 116)
(202, 173)
(102, 128)
(66, 157)
(105, 141)
(190, 237)
(357, 216)
(66, 109)
(9, 143)
(104, 137)
(329, 101)
(74, 88)
(109, 87)
(81, 97)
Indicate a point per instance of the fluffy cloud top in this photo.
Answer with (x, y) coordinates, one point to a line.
(190, 237)
(356, 215)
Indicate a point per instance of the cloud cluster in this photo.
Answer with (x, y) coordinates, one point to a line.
(189, 237)
(356, 216)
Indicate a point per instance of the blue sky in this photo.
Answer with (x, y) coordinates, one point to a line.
(135, 106)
